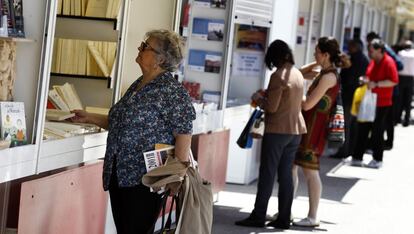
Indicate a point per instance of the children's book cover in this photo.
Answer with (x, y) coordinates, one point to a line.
(13, 123)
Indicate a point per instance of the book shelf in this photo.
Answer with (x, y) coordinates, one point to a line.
(74, 17)
(91, 92)
(17, 39)
(75, 76)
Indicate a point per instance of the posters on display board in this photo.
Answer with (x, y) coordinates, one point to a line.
(205, 61)
(303, 26)
(247, 64)
(250, 37)
(208, 29)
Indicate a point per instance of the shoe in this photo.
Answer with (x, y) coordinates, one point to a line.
(406, 124)
(278, 225)
(374, 164)
(356, 163)
(307, 222)
(388, 147)
(274, 217)
(250, 222)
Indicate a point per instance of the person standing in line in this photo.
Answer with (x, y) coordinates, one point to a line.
(317, 108)
(349, 83)
(284, 125)
(382, 77)
(391, 118)
(405, 85)
(155, 109)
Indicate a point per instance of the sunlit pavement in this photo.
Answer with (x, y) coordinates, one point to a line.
(354, 199)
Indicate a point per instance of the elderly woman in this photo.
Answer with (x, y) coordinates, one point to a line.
(155, 109)
(284, 125)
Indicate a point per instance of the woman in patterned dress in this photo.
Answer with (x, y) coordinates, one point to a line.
(317, 107)
(155, 109)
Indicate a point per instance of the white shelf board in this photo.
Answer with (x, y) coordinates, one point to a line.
(16, 155)
(70, 158)
(17, 162)
(72, 144)
(17, 39)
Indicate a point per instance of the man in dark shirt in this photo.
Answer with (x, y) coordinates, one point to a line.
(349, 82)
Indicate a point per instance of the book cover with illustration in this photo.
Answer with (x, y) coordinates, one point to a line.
(13, 123)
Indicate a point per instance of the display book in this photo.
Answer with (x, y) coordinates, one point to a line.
(89, 8)
(82, 57)
(157, 157)
(62, 100)
(13, 124)
(11, 18)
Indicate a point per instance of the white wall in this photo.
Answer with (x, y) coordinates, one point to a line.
(144, 15)
(285, 16)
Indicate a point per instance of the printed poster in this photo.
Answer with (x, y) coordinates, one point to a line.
(204, 61)
(247, 64)
(211, 3)
(208, 29)
(251, 37)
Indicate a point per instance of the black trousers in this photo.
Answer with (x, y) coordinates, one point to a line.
(377, 135)
(277, 155)
(135, 209)
(406, 93)
(392, 118)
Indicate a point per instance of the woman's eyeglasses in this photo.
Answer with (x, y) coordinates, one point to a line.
(145, 46)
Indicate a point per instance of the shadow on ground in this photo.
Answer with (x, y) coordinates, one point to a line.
(334, 188)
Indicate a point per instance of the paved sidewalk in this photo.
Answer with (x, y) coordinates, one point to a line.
(354, 200)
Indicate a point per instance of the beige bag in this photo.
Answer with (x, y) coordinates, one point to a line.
(172, 172)
(197, 205)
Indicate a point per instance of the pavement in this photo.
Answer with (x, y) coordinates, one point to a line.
(354, 199)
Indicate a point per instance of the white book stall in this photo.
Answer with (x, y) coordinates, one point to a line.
(57, 56)
(225, 45)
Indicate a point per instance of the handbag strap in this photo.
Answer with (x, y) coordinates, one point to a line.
(168, 223)
(164, 197)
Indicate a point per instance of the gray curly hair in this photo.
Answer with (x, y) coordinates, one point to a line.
(170, 48)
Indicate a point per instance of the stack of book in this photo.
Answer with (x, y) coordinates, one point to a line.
(11, 18)
(81, 57)
(64, 99)
(91, 8)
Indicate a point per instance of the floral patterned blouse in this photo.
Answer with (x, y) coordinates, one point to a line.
(140, 120)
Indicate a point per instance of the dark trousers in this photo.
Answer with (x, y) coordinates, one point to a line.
(277, 155)
(406, 93)
(392, 119)
(377, 135)
(135, 209)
